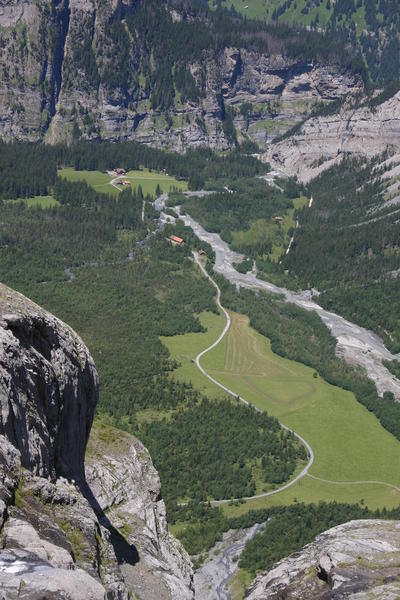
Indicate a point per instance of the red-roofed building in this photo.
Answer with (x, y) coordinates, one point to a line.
(177, 241)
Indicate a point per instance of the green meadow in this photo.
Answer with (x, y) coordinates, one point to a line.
(356, 460)
(295, 12)
(149, 180)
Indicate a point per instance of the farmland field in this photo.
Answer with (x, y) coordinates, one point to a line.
(349, 443)
(101, 182)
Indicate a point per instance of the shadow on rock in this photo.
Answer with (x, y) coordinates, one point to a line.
(125, 552)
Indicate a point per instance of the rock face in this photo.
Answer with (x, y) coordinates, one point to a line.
(323, 141)
(48, 389)
(56, 541)
(58, 81)
(127, 487)
(359, 560)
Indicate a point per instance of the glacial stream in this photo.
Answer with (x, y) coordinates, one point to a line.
(357, 345)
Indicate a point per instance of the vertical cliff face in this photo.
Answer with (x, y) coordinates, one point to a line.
(75, 68)
(323, 141)
(48, 389)
(55, 537)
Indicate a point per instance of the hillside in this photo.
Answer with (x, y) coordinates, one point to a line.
(371, 25)
(171, 76)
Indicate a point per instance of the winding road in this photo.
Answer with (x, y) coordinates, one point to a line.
(232, 393)
(357, 345)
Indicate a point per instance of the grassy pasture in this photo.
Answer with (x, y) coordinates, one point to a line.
(349, 443)
(149, 181)
(101, 182)
(263, 9)
(185, 348)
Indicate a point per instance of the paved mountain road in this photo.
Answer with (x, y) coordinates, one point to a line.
(232, 393)
(357, 345)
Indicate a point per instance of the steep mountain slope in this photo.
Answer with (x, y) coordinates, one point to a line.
(322, 142)
(356, 560)
(372, 25)
(135, 70)
(56, 539)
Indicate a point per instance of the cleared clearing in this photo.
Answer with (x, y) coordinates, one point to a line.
(262, 230)
(41, 201)
(149, 180)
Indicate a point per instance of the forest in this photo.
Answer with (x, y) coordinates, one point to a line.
(287, 529)
(246, 201)
(348, 248)
(182, 452)
(92, 261)
(29, 170)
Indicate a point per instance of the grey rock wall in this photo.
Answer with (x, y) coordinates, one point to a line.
(45, 92)
(61, 536)
(323, 141)
(48, 388)
(358, 560)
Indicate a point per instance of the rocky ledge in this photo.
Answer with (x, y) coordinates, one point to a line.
(56, 539)
(359, 560)
(323, 141)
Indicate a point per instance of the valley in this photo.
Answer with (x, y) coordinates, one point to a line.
(354, 458)
(200, 400)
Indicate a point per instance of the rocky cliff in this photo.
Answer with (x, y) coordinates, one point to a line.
(323, 141)
(64, 535)
(359, 560)
(67, 71)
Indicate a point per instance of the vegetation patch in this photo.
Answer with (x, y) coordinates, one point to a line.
(328, 417)
(348, 248)
(151, 183)
(209, 450)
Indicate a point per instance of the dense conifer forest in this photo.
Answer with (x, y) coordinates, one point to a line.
(287, 530)
(31, 169)
(348, 248)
